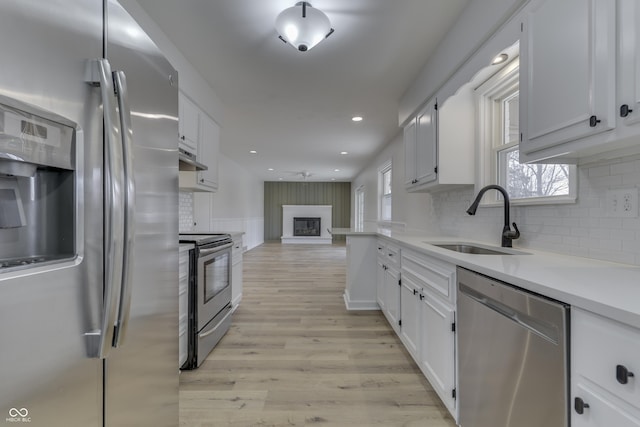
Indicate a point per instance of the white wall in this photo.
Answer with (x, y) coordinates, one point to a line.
(582, 228)
(238, 204)
(410, 210)
(478, 21)
(190, 81)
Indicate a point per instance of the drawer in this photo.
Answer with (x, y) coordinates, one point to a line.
(434, 274)
(602, 350)
(603, 411)
(381, 248)
(392, 255)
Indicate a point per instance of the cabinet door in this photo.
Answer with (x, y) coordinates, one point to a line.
(410, 315)
(188, 124)
(392, 297)
(567, 72)
(601, 411)
(629, 45)
(426, 144)
(437, 352)
(409, 141)
(208, 148)
(380, 282)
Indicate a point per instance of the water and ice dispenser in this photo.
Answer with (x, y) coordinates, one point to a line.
(37, 186)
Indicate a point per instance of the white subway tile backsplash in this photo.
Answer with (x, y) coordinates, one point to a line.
(185, 211)
(582, 228)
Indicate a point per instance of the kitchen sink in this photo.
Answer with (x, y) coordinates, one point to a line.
(468, 248)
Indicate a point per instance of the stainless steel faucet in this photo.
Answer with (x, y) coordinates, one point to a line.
(508, 235)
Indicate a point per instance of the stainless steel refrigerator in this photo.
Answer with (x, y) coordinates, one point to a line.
(88, 218)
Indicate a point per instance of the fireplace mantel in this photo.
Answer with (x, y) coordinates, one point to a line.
(323, 212)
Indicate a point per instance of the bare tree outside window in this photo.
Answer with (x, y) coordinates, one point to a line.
(533, 180)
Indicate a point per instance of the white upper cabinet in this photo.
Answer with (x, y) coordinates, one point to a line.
(409, 139)
(567, 76)
(427, 144)
(208, 149)
(439, 145)
(420, 148)
(629, 69)
(199, 136)
(188, 125)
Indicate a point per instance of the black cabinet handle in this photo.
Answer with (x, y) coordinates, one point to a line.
(625, 110)
(415, 291)
(623, 374)
(593, 121)
(182, 137)
(579, 405)
(421, 297)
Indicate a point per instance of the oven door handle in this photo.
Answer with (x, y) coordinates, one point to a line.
(205, 252)
(215, 328)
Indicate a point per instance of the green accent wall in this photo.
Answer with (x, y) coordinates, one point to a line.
(276, 194)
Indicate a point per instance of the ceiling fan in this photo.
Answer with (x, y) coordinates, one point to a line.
(303, 174)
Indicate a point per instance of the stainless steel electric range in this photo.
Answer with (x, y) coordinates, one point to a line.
(209, 295)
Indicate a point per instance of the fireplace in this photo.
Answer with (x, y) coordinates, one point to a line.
(303, 226)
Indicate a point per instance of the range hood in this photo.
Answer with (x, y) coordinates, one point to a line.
(188, 162)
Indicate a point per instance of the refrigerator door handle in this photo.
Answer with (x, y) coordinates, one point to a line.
(126, 128)
(98, 73)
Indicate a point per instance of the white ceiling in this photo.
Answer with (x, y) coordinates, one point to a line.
(295, 108)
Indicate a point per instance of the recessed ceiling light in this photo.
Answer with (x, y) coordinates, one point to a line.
(344, 152)
(356, 118)
(336, 170)
(270, 169)
(500, 59)
(253, 152)
(279, 179)
(333, 179)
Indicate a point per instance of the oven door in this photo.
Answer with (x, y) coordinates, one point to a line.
(214, 282)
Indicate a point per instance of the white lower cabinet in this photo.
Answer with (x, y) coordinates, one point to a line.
(437, 347)
(410, 308)
(392, 297)
(605, 365)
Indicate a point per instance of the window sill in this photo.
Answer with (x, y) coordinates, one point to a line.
(533, 201)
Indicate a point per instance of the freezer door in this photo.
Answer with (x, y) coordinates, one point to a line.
(141, 374)
(47, 378)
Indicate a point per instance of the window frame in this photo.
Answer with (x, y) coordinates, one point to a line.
(386, 167)
(358, 221)
(500, 86)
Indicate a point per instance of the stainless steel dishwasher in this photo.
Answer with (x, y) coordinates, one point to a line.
(512, 355)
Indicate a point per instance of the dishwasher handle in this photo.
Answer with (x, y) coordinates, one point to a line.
(545, 330)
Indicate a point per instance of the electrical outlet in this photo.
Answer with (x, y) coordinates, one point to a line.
(622, 203)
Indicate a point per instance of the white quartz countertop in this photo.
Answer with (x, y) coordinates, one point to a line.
(606, 288)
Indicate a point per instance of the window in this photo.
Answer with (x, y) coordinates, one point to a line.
(384, 187)
(359, 214)
(498, 105)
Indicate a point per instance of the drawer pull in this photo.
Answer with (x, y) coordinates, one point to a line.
(623, 374)
(580, 406)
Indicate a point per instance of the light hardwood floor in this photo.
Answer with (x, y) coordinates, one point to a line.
(295, 357)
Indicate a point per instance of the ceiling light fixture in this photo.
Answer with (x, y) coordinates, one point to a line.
(303, 26)
(344, 153)
(499, 59)
(270, 169)
(253, 152)
(336, 170)
(356, 119)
